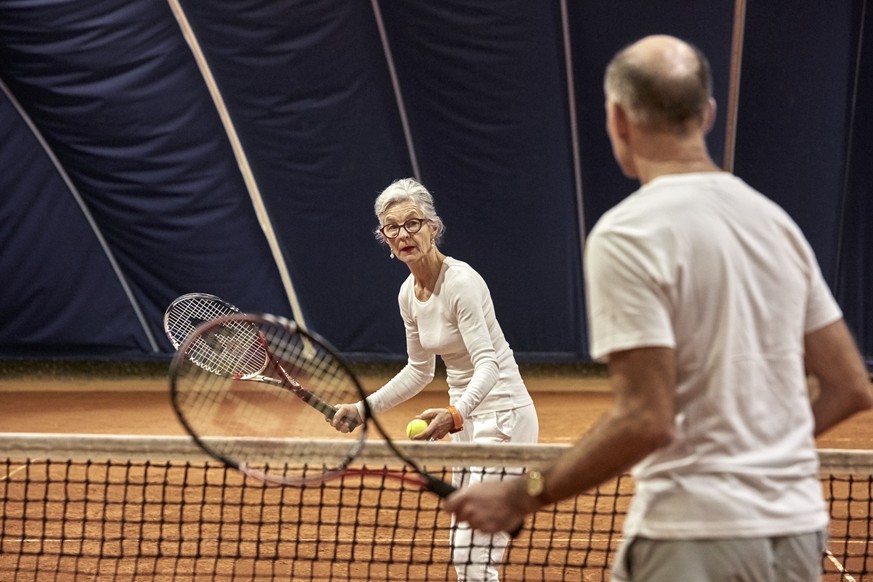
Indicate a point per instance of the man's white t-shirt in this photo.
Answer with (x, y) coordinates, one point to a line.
(704, 264)
(458, 323)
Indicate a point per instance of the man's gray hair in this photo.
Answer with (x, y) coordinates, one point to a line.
(660, 97)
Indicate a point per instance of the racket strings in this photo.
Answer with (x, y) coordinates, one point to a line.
(261, 423)
(228, 349)
(189, 312)
(232, 348)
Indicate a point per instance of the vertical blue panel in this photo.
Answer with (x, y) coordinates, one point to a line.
(854, 282)
(307, 86)
(487, 99)
(793, 118)
(114, 90)
(59, 294)
(600, 29)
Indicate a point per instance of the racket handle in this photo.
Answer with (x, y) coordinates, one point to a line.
(311, 399)
(444, 489)
(438, 486)
(330, 412)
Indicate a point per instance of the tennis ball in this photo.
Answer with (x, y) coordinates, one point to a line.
(415, 427)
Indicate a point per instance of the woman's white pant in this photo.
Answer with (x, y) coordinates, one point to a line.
(476, 554)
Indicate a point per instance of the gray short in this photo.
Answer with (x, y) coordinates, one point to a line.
(797, 558)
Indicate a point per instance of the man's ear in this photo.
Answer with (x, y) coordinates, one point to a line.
(620, 120)
(709, 117)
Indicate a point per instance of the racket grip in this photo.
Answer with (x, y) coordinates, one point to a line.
(444, 489)
(438, 486)
(309, 398)
(330, 411)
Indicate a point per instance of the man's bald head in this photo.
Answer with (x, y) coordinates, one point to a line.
(663, 83)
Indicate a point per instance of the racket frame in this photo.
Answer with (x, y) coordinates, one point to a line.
(214, 307)
(291, 385)
(419, 477)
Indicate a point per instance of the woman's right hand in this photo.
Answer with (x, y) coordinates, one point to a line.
(346, 414)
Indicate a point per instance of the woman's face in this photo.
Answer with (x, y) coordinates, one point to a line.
(406, 246)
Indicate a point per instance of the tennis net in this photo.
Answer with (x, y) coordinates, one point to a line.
(105, 507)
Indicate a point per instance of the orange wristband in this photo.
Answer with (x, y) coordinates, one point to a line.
(457, 421)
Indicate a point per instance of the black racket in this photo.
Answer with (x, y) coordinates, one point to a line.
(235, 349)
(262, 430)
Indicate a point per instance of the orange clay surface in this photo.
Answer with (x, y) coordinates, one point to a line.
(566, 406)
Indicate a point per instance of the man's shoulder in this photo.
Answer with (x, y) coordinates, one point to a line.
(663, 200)
(631, 209)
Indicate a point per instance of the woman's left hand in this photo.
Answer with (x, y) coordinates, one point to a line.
(439, 423)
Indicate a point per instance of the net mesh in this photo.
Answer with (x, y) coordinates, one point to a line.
(130, 508)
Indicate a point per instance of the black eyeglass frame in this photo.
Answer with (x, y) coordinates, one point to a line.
(405, 226)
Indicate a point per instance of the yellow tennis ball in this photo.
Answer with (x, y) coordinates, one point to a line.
(415, 427)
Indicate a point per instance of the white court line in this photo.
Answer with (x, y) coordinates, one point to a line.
(18, 470)
(839, 567)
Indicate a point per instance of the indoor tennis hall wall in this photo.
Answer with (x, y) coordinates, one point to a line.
(151, 149)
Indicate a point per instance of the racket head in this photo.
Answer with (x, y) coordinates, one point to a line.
(187, 312)
(260, 425)
(191, 310)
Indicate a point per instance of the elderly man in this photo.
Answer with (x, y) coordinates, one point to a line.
(708, 304)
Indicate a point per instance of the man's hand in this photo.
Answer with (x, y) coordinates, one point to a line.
(492, 506)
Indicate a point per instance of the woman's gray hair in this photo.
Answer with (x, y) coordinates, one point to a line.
(403, 190)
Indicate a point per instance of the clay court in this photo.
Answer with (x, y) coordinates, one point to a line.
(567, 403)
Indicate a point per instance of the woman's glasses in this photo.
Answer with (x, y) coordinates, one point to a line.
(412, 226)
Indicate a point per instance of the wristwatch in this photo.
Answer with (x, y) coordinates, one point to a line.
(535, 483)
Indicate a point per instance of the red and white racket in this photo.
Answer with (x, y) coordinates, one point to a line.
(235, 349)
(261, 430)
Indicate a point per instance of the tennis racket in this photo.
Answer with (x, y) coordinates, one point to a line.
(187, 312)
(261, 430)
(235, 349)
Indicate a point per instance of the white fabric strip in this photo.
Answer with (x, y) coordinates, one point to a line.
(574, 129)
(398, 94)
(77, 196)
(241, 159)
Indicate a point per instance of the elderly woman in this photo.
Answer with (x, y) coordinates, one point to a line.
(447, 311)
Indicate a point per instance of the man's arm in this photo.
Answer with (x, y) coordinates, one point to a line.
(640, 422)
(833, 359)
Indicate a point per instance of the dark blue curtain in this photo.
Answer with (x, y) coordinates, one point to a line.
(803, 136)
(122, 186)
(854, 281)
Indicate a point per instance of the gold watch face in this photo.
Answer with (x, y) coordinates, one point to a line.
(535, 483)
